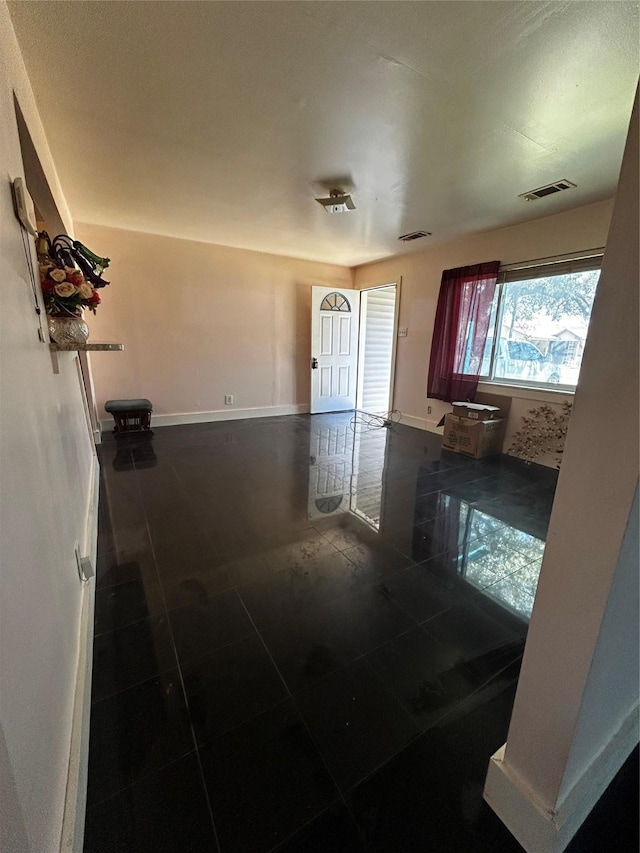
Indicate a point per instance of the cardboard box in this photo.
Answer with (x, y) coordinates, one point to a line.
(498, 400)
(476, 439)
(476, 411)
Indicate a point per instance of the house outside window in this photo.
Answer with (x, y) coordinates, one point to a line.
(539, 323)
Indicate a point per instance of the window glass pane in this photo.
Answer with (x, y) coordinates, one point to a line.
(335, 302)
(470, 362)
(543, 328)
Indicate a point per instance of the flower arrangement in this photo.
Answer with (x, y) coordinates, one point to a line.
(70, 275)
(543, 432)
(66, 291)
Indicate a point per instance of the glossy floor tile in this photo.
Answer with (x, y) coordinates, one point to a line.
(209, 624)
(163, 813)
(132, 654)
(231, 685)
(308, 639)
(356, 721)
(426, 676)
(128, 602)
(429, 797)
(135, 732)
(265, 780)
(307, 648)
(334, 830)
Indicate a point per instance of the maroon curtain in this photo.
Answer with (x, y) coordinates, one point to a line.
(460, 331)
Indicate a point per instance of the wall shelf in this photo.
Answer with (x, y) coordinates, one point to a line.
(56, 348)
(86, 347)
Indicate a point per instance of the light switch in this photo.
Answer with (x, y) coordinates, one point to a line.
(403, 331)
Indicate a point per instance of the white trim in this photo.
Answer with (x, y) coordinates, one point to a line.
(525, 392)
(396, 282)
(266, 412)
(426, 424)
(538, 829)
(90, 394)
(72, 838)
(222, 415)
(432, 426)
(394, 351)
(413, 421)
(585, 254)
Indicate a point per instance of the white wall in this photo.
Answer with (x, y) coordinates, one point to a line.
(593, 501)
(199, 321)
(608, 700)
(582, 228)
(46, 461)
(575, 716)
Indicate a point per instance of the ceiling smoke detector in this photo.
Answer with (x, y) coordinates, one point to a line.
(338, 202)
(548, 189)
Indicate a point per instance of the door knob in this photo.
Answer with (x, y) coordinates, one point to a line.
(314, 363)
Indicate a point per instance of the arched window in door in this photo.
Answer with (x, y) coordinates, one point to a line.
(335, 302)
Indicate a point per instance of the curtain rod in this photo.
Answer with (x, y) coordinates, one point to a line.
(553, 259)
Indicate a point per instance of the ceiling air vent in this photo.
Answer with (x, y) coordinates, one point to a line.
(549, 189)
(414, 235)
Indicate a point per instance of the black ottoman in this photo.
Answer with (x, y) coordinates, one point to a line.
(130, 415)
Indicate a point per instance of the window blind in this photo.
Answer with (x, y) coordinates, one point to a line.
(378, 318)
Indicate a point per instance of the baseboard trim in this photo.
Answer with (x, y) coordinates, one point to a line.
(259, 412)
(420, 423)
(538, 829)
(72, 837)
(413, 421)
(221, 415)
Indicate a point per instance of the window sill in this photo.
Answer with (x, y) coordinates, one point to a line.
(525, 392)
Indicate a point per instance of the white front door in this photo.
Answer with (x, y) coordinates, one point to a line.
(334, 349)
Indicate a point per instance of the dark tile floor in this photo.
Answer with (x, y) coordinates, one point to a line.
(308, 639)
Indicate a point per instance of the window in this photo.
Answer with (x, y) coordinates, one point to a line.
(539, 322)
(335, 302)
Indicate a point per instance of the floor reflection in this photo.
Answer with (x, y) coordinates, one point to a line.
(346, 470)
(502, 561)
(355, 480)
(134, 451)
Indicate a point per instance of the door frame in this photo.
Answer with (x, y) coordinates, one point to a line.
(394, 348)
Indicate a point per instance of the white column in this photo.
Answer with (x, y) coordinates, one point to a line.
(575, 717)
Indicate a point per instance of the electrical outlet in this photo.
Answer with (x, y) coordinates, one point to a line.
(403, 331)
(428, 410)
(228, 399)
(83, 564)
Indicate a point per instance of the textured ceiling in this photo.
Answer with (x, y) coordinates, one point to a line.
(214, 121)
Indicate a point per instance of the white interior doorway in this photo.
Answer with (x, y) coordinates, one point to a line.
(377, 348)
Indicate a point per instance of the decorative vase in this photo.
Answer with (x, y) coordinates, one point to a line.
(68, 330)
